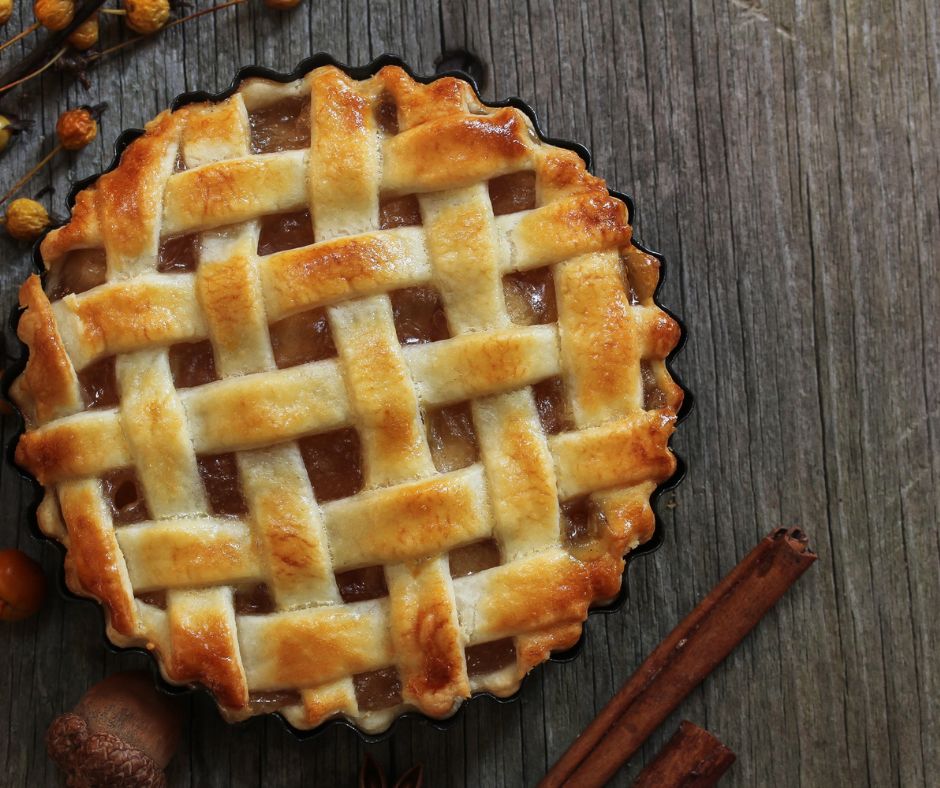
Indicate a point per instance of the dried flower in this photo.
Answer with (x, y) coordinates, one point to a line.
(147, 16)
(6, 132)
(76, 128)
(85, 36)
(26, 219)
(54, 14)
(6, 11)
(281, 5)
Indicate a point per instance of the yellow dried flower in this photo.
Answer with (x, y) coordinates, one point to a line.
(26, 219)
(281, 5)
(6, 133)
(147, 16)
(76, 128)
(6, 11)
(85, 36)
(54, 14)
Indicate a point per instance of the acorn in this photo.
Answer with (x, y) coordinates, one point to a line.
(122, 732)
(22, 585)
(147, 16)
(26, 219)
(54, 15)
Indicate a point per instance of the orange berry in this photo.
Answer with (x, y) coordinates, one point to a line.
(6, 11)
(26, 219)
(76, 128)
(54, 14)
(22, 585)
(281, 5)
(147, 16)
(85, 36)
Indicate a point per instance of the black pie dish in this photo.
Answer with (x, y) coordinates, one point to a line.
(16, 366)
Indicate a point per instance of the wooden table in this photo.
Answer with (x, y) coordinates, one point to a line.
(784, 158)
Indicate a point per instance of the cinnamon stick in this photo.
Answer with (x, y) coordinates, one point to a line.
(692, 758)
(688, 654)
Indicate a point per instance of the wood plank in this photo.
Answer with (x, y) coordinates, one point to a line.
(783, 157)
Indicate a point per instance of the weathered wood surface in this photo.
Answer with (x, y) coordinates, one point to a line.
(784, 157)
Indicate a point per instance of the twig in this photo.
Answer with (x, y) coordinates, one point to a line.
(18, 36)
(50, 44)
(22, 181)
(35, 73)
(116, 47)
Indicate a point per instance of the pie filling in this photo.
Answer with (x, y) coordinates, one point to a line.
(283, 231)
(474, 557)
(125, 498)
(192, 364)
(378, 689)
(154, 598)
(359, 585)
(253, 600)
(419, 317)
(284, 125)
(530, 297)
(552, 406)
(653, 396)
(302, 338)
(489, 657)
(386, 114)
(399, 212)
(219, 474)
(512, 193)
(334, 464)
(98, 382)
(179, 254)
(451, 437)
(266, 702)
(582, 521)
(80, 271)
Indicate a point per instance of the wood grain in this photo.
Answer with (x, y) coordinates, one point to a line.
(783, 156)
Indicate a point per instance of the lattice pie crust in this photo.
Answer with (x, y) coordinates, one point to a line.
(348, 397)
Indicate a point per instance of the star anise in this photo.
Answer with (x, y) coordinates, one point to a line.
(371, 775)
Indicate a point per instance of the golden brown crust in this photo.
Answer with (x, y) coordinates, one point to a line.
(48, 387)
(194, 172)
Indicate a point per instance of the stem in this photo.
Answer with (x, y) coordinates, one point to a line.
(116, 47)
(18, 36)
(35, 73)
(50, 43)
(22, 181)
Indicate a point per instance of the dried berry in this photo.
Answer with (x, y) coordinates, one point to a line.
(6, 132)
(85, 36)
(281, 5)
(76, 128)
(26, 219)
(54, 14)
(146, 16)
(22, 583)
(6, 11)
